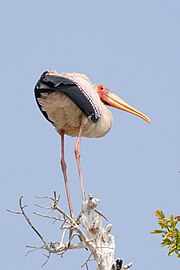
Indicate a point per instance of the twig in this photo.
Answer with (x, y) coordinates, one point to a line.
(96, 238)
(14, 212)
(86, 262)
(63, 234)
(29, 222)
(44, 197)
(127, 266)
(43, 206)
(101, 214)
(32, 249)
(47, 216)
(48, 257)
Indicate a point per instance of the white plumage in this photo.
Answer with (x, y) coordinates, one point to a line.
(77, 107)
(66, 116)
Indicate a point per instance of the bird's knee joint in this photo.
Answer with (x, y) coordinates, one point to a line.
(77, 154)
(63, 164)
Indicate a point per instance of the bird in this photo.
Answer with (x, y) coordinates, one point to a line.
(78, 108)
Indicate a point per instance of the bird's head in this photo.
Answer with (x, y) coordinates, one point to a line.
(111, 99)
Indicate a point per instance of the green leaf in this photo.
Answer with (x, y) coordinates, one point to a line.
(157, 231)
(169, 232)
(170, 252)
(166, 242)
(160, 214)
(163, 223)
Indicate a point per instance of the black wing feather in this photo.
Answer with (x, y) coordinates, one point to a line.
(52, 83)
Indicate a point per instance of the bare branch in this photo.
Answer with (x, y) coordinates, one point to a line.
(43, 206)
(44, 197)
(47, 216)
(88, 228)
(101, 214)
(14, 212)
(29, 222)
(127, 266)
(33, 249)
(86, 262)
(47, 259)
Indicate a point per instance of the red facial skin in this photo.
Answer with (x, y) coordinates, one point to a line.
(102, 91)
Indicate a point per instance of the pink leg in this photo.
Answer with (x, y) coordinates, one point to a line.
(63, 167)
(77, 155)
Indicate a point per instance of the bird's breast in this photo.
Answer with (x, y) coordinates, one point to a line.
(65, 115)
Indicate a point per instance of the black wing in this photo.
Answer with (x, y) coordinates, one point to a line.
(52, 83)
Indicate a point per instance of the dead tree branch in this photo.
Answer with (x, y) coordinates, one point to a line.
(88, 227)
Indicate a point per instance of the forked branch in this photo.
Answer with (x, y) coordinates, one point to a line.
(88, 227)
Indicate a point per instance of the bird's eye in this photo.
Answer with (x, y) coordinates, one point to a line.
(101, 87)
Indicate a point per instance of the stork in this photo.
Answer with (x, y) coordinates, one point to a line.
(77, 108)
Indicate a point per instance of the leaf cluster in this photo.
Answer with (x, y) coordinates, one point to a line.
(169, 232)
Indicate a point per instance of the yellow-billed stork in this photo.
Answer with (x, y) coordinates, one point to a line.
(77, 107)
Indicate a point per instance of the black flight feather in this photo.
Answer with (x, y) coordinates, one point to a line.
(52, 83)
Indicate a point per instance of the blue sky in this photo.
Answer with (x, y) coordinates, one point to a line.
(132, 47)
